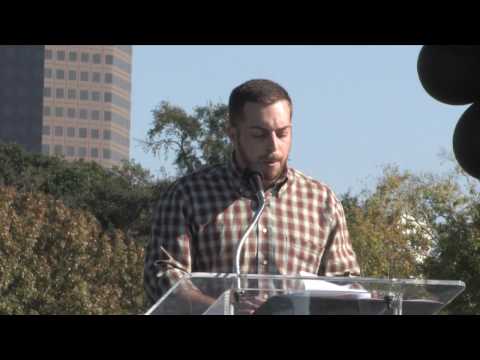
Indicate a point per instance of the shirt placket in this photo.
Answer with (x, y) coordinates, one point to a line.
(265, 257)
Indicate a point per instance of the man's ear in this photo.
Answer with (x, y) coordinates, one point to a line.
(232, 133)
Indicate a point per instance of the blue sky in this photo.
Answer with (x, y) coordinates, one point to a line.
(356, 108)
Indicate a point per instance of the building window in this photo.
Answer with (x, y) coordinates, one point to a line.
(48, 73)
(107, 154)
(94, 133)
(96, 77)
(48, 54)
(107, 97)
(124, 66)
(120, 101)
(45, 149)
(108, 78)
(94, 152)
(72, 75)
(83, 114)
(95, 96)
(82, 152)
(58, 150)
(107, 135)
(120, 120)
(84, 76)
(72, 93)
(61, 55)
(71, 132)
(72, 56)
(70, 151)
(47, 111)
(59, 112)
(58, 131)
(97, 59)
(46, 130)
(107, 116)
(47, 92)
(83, 95)
(20, 91)
(82, 132)
(95, 115)
(60, 74)
(119, 139)
(85, 57)
(71, 113)
(109, 59)
(59, 93)
(7, 110)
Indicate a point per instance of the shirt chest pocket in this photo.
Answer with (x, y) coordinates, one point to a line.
(303, 252)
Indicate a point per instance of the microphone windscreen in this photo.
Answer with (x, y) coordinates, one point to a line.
(255, 178)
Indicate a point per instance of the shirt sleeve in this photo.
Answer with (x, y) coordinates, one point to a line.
(167, 255)
(339, 258)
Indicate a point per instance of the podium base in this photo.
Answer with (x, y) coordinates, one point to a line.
(304, 304)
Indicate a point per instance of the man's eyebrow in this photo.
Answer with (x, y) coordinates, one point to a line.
(265, 129)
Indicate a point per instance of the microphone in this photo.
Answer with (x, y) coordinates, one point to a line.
(255, 180)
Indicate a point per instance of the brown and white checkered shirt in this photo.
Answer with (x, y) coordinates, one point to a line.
(201, 217)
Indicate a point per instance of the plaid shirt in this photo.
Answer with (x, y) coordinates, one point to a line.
(201, 218)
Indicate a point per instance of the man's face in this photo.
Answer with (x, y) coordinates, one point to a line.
(262, 139)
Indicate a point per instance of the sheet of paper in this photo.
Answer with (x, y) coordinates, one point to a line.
(331, 289)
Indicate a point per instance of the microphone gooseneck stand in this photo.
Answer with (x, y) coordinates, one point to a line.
(256, 180)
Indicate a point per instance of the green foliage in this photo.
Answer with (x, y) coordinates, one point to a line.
(196, 140)
(395, 225)
(56, 260)
(120, 198)
(457, 252)
(419, 226)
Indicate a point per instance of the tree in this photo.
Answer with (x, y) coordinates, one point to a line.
(457, 252)
(56, 260)
(98, 219)
(419, 226)
(196, 140)
(395, 227)
(120, 198)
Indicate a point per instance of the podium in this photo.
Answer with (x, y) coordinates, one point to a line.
(230, 294)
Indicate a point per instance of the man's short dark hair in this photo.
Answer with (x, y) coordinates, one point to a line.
(262, 91)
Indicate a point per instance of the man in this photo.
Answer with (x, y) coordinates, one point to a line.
(202, 217)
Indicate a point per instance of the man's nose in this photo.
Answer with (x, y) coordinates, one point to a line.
(272, 142)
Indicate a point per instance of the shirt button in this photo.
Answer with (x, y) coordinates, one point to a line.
(264, 230)
(265, 262)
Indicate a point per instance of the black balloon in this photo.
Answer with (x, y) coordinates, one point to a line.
(450, 74)
(469, 50)
(466, 141)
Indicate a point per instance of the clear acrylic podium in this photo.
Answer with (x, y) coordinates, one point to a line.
(304, 295)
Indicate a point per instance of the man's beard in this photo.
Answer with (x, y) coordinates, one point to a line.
(268, 177)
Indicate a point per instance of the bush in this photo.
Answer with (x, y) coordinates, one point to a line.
(56, 260)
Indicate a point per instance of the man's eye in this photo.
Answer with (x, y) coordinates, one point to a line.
(258, 135)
